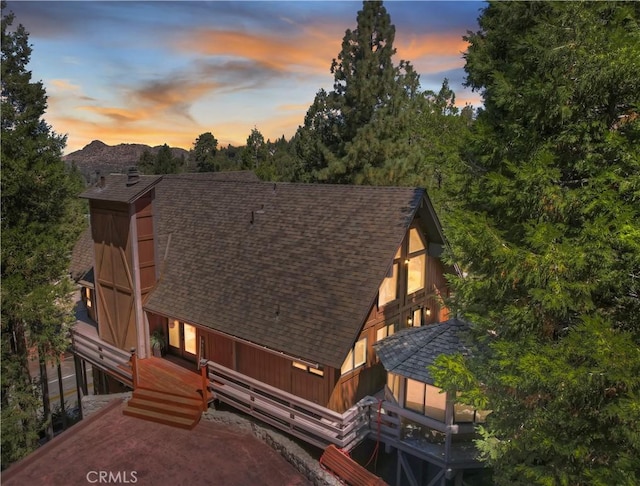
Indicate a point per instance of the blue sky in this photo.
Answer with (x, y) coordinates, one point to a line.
(165, 72)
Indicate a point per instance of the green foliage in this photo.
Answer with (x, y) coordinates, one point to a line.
(41, 220)
(203, 153)
(367, 87)
(377, 126)
(255, 151)
(163, 162)
(547, 227)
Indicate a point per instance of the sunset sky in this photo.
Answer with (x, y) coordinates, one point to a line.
(165, 72)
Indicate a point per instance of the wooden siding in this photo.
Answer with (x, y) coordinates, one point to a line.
(156, 323)
(363, 381)
(146, 246)
(265, 366)
(218, 348)
(113, 273)
(370, 378)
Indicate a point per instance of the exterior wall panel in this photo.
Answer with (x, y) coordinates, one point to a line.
(113, 275)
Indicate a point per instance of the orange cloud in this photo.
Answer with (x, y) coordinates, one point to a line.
(64, 85)
(418, 46)
(313, 50)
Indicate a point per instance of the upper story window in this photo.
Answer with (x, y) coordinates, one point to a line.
(388, 291)
(384, 331)
(416, 262)
(415, 318)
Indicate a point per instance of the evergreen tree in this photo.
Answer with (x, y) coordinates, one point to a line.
(377, 126)
(41, 219)
(255, 151)
(163, 162)
(203, 154)
(549, 233)
(146, 162)
(366, 84)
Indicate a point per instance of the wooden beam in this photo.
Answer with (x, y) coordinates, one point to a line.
(439, 477)
(403, 465)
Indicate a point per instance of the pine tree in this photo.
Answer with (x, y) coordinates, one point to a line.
(367, 85)
(549, 233)
(163, 162)
(41, 219)
(255, 152)
(376, 126)
(203, 154)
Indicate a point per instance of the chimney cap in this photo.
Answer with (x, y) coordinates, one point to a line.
(133, 176)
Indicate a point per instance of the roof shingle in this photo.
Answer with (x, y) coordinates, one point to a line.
(411, 351)
(294, 267)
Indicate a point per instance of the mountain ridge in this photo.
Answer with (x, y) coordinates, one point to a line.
(97, 156)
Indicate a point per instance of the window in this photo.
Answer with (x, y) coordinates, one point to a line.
(393, 382)
(426, 399)
(416, 262)
(415, 396)
(415, 241)
(435, 402)
(414, 319)
(87, 295)
(466, 413)
(302, 366)
(356, 357)
(190, 338)
(174, 333)
(385, 331)
(389, 288)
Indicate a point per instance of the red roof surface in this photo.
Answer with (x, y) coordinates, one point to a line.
(126, 450)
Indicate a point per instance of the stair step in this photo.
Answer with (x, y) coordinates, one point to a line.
(180, 410)
(160, 397)
(161, 418)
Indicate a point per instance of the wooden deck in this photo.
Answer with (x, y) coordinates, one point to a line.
(167, 393)
(158, 374)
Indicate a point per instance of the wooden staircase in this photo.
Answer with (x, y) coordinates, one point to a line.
(167, 393)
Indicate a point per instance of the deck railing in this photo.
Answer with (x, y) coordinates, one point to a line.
(370, 418)
(87, 344)
(301, 418)
(405, 430)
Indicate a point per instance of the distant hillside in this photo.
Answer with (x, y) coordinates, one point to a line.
(107, 159)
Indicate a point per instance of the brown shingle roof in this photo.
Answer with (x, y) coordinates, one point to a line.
(116, 189)
(293, 267)
(82, 256)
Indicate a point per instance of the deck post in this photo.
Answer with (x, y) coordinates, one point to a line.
(134, 369)
(449, 417)
(78, 370)
(205, 383)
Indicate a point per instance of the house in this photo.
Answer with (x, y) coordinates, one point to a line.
(279, 290)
